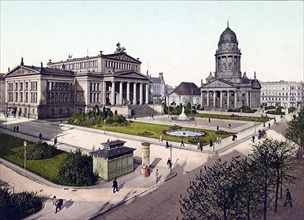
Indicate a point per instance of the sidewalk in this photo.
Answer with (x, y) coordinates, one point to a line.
(87, 202)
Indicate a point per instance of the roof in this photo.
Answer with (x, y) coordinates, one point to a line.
(114, 152)
(112, 144)
(156, 80)
(228, 36)
(187, 88)
(38, 70)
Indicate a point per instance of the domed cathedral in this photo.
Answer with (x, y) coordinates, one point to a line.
(228, 88)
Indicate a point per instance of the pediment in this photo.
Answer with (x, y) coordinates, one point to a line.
(123, 57)
(256, 85)
(131, 75)
(218, 84)
(21, 70)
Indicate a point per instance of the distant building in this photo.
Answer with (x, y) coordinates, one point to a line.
(228, 88)
(282, 94)
(158, 88)
(114, 160)
(2, 93)
(185, 93)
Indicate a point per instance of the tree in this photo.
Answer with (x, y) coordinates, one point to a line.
(215, 193)
(295, 131)
(273, 161)
(77, 170)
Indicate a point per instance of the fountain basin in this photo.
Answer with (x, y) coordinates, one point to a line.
(185, 133)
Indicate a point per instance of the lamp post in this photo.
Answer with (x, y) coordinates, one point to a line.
(171, 158)
(25, 144)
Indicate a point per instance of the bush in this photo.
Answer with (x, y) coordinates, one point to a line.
(18, 205)
(40, 151)
(244, 109)
(145, 133)
(175, 127)
(77, 170)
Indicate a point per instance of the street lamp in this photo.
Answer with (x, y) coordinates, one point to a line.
(171, 157)
(25, 144)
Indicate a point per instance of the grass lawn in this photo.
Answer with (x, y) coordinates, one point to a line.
(232, 117)
(136, 128)
(11, 148)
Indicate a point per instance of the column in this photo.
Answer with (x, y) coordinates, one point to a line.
(221, 99)
(247, 98)
(134, 93)
(208, 98)
(104, 95)
(120, 93)
(140, 93)
(228, 93)
(147, 93)
(128, 92)
(214, 93)
(113, 93)
(202, 101)
(235, 99)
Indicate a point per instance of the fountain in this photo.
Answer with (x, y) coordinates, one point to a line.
(183, 116)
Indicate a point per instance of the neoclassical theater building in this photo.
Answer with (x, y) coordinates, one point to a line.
(228, 88)
(77, 85)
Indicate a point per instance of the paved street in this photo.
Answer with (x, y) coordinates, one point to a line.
(136, 190)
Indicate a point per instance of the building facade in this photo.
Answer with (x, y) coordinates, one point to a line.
(228, 88)
(158, 88)
(185, 93)
(282, 94)
(77, 85)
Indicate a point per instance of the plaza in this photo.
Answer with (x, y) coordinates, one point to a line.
(89, 202)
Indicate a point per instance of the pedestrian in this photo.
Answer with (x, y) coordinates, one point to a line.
(160, 138)
(217, 140)
(40, 136)
(210, 143)
(14, 128)
(169, 163)
(17, 128)
(209, 120)
(156, 176)
(201, 146)
(198, 145)
(60, 121)
(167, 144)
(264, 124)
(229, 126)
(220, 140)
(288, 199)
(182, 143)
(253, 138)
(218, 128)
(115, 185)
(269, 125)
(58, 203)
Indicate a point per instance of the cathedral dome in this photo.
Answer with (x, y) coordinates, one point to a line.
(228, 36)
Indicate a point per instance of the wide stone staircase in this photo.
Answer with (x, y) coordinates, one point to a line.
(143, 110)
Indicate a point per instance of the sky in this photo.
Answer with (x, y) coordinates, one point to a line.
(178, 38)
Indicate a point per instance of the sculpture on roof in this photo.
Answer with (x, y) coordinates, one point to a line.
(119, 49)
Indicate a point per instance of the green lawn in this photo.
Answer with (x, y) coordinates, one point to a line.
(232, 117)
(137, 127)
(11, 148)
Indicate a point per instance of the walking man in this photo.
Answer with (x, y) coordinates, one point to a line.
(169, 163)
(40, 136)
(288, 198)
(253, 138)
(210, 143)
(115, 185)
(182, 143)
(17, 128)
(156, 176)
(58, 203)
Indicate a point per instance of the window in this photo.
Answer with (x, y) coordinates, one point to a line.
(21, 86)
